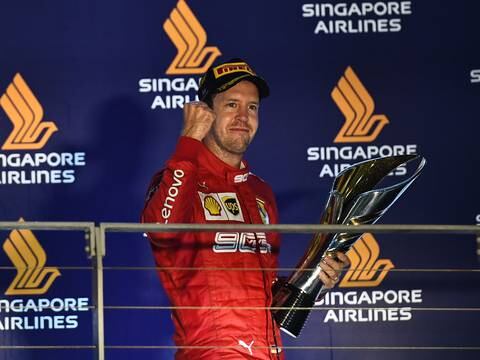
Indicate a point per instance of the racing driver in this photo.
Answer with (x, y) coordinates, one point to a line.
(219, 276)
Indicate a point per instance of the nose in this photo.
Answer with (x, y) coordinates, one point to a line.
(242, 113)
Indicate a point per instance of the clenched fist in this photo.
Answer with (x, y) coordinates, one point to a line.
(197, 120)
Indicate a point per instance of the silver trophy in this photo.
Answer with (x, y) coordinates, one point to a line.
(353, 201)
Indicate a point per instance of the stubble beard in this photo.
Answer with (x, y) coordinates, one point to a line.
(234, 145)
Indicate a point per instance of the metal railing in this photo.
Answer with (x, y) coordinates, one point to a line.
(95, 237)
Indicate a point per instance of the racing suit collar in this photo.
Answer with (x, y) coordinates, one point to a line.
(218, 167)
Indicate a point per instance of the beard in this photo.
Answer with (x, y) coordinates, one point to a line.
(232, 144)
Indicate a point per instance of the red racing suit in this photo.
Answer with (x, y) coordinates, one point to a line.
(197, 187)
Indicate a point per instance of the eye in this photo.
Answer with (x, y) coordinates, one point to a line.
(232, 104)
(253, 107)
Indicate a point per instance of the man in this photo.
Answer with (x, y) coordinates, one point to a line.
(219, 275)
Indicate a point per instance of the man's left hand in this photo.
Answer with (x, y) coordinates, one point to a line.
(332, 268)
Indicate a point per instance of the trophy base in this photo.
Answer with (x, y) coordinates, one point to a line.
(292, 320)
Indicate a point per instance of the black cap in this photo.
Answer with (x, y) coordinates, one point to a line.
(223, 76)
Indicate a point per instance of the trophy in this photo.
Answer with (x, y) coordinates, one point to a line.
(353, 201)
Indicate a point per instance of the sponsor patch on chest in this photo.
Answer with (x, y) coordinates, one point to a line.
(221, 206)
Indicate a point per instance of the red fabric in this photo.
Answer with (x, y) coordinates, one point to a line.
(191, 189)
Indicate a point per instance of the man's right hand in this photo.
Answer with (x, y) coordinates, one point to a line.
(197, 120)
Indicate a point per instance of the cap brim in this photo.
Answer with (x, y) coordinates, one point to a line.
(263, 89)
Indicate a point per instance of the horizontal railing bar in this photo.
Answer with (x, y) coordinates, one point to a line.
(287, 228)
(262, 308)
(53, 308)
(166, 347)
(186, 307)
(292, 228)
(133, 268)
(159, 347)
(145, 268)
(46, 225)
(46, 347)
(315, 308)
(41, 267)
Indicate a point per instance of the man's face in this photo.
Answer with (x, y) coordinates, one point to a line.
(236, 121)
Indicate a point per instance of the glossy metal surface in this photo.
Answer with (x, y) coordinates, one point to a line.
(353, 201)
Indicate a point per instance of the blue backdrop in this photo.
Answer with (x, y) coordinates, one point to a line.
(91, 97)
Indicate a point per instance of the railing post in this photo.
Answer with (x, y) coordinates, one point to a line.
(98, 314)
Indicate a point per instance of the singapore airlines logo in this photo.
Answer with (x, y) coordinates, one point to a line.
(190, 38)
(26, 114)
(357, 106)
(366, 268)
(29, 258)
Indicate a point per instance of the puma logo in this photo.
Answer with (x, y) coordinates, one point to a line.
(248, 347)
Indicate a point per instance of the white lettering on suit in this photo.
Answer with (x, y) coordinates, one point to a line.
(172, 193)
(229, 242)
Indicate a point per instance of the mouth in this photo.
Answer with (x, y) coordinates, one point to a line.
(240, 129)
